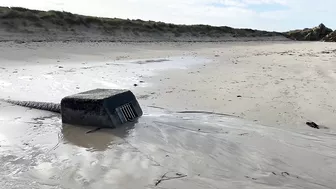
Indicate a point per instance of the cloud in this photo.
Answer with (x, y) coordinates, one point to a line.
(280, 15)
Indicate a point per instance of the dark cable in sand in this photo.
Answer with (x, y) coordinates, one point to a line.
(59, 137)
(94, 130)
(195, 112)
(165, 178)
(48, 106)
(205, 112)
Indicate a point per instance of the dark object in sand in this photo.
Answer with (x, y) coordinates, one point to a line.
(313, 125)
(152, 61)
(105, 108)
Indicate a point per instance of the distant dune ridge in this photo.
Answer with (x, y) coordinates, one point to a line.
(22, 25)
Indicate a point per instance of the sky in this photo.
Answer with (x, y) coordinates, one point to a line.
(271, 15)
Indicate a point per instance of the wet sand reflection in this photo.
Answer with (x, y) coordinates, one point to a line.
(96, 140)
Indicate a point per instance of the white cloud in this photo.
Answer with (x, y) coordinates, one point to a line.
(235, 13)
(282, 2)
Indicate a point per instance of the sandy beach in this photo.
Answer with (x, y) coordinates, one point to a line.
(282, 84)
(233, 94)
(264, 93)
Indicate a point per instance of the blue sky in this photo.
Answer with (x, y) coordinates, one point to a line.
(278, 15)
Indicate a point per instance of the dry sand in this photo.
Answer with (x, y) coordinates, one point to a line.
(282, 85)
(279, 84)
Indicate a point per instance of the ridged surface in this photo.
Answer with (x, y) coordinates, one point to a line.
(48, 106)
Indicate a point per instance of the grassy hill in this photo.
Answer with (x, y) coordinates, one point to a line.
(23, 24)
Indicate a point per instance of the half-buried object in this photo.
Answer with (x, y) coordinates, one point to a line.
(100, 108)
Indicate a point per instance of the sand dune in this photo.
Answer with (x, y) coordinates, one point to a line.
(25, 25)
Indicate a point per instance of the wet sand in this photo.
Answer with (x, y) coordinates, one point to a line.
(162, 150)
(279, 85)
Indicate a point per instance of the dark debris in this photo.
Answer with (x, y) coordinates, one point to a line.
(313, 125)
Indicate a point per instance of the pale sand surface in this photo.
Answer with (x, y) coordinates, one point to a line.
(279, 84)
(282, 86)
